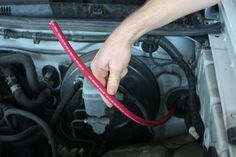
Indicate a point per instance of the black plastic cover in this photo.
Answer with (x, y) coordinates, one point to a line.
(231, 133)
(92, 9)
(15, 2)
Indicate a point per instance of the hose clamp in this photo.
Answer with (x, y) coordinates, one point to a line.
(15, 87)
(11, 80)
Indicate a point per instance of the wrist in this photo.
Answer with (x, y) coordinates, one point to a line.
(125, 36)
(121, 37)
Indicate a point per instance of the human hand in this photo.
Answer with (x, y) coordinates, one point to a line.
(110, 64)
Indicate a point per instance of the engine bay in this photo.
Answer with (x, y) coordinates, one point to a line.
(48, 108)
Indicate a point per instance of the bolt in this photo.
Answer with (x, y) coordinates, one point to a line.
(78, 79)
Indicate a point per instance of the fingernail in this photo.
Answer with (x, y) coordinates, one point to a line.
(107, 102)
(109, 105)
(111, 91)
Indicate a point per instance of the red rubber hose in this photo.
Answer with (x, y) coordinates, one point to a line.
(86, 72)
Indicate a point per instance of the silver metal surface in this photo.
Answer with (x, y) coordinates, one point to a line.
(211, 112)
(224, 56)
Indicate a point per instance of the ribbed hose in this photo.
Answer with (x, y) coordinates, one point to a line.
(29, 66)
(78, 62)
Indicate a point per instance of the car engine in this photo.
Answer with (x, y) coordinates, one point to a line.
(48, 108)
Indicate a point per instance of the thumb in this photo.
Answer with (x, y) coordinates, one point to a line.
(113, 81)
(113, 84)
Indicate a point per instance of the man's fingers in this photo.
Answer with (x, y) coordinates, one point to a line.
(102, 76)
(106, 101)
(113, 83)
(124, 72)
(109, 79)
(99, 73)
(114, 80)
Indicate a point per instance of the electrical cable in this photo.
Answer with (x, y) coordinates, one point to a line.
(192, 108)
(36, 119)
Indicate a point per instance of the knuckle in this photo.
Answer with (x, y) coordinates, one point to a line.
(92, 66)
(113, 82)
(116, 68)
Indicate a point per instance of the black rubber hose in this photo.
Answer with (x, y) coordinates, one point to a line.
(24, 142)
(19, 95)
(36, 119)
(53, 120)
(29, 66)
(19, 136)
(34, 104)
(192, 107)
(63, 103)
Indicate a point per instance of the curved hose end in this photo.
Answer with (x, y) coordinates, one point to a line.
(53, 21)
